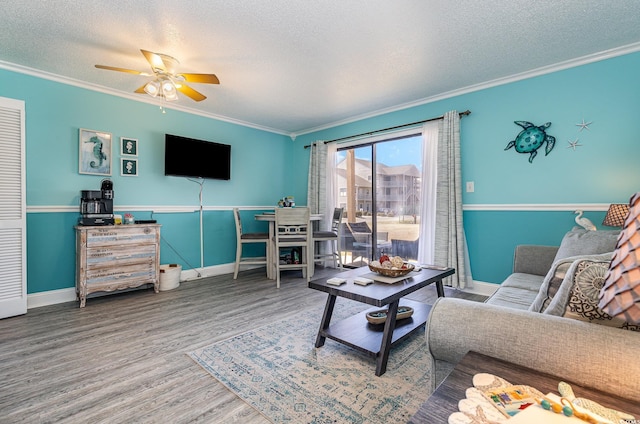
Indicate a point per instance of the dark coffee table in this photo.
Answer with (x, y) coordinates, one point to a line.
(356, 331)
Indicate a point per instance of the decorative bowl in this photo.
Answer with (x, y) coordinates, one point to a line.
(379, 317)
(388, 272)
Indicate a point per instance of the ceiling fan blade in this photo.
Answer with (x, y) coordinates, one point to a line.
(190, 92)
(141, 89)
(200, 78)
(129, 71)
(155, 60)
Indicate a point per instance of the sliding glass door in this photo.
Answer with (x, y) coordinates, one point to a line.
(381, 212)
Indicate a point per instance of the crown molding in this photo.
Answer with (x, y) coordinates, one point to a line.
(130, 96)
(572, 63)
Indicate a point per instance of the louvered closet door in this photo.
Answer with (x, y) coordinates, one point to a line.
(13, 274)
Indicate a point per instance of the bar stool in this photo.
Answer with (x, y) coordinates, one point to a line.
(246, 238)
(333, 237)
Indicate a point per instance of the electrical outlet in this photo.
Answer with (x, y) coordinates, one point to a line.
(470, 187)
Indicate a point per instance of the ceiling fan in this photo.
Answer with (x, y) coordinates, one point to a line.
(166, 80)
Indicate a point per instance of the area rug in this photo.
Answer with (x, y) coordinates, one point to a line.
(277, 370)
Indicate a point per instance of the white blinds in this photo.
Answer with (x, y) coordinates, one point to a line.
(13, 293)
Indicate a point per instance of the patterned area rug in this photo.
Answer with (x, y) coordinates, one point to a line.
(277, 370)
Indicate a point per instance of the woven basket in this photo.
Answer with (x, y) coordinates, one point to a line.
(387, 272)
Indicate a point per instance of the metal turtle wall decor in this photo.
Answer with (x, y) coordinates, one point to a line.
(531, 138)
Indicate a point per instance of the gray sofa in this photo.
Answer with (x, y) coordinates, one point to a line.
(531, 320)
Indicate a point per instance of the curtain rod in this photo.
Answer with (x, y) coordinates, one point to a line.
(461, 114)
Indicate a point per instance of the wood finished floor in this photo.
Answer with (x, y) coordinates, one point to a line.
(122, 359)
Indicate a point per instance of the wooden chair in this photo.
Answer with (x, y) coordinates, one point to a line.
(293, 232)
(246, 238)
(333, 237)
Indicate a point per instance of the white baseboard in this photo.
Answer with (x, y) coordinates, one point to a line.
(210, 271)
(52, 297)
(482, 288)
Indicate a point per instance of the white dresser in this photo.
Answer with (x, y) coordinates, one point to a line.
(115, 257)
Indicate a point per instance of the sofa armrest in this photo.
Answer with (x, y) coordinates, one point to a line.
(533, 259)
(587, 354)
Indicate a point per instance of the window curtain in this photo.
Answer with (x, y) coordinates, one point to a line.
(426, 253)
(443, 232)
(317, 188)
(321, 189)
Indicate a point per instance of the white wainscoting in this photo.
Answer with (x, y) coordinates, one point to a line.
(479, 287)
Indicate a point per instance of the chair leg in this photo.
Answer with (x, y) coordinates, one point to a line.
(337, 257)
(277, 266)
(303, 260)
(267, 252)
(237, 266)
(310, 251)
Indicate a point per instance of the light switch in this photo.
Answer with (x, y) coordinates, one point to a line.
(470, 187)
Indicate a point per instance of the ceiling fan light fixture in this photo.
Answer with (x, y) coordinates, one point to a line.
(152, 88)
(169, 90)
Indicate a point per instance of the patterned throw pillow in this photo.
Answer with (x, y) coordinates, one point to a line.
(553, 281)
(586, 278)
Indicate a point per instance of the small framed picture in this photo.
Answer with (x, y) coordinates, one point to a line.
(128, 167)
(94, 155)
(128, 146)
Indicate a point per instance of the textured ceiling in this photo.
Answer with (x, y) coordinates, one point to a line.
(292, 66)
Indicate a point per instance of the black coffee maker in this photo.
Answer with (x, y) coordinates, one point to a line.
(96, 206)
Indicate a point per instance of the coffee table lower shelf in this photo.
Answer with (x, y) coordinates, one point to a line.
(357, 333)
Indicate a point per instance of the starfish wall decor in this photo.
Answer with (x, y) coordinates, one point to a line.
(573, 144)
(584, 125)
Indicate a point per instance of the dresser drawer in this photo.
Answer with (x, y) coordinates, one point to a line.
(120, 256)
(122, 235)
(143, 273)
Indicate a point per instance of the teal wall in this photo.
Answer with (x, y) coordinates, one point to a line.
(266, 166)
(603, 170)
(54, 114)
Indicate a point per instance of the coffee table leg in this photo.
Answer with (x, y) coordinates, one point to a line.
(326, 319)
(440, 288)
(387, 337)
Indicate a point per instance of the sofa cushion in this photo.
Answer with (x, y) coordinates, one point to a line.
(579, 241)
(579, 294)
(517, 291)
(529, 282)
(554, 278)
(534, 259)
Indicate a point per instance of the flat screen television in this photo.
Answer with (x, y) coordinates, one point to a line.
(188, 157)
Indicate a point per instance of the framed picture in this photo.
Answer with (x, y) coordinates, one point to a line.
(128, 146)
(94, 152)
(128, 167)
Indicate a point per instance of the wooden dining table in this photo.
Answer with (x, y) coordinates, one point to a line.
(272, 255)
